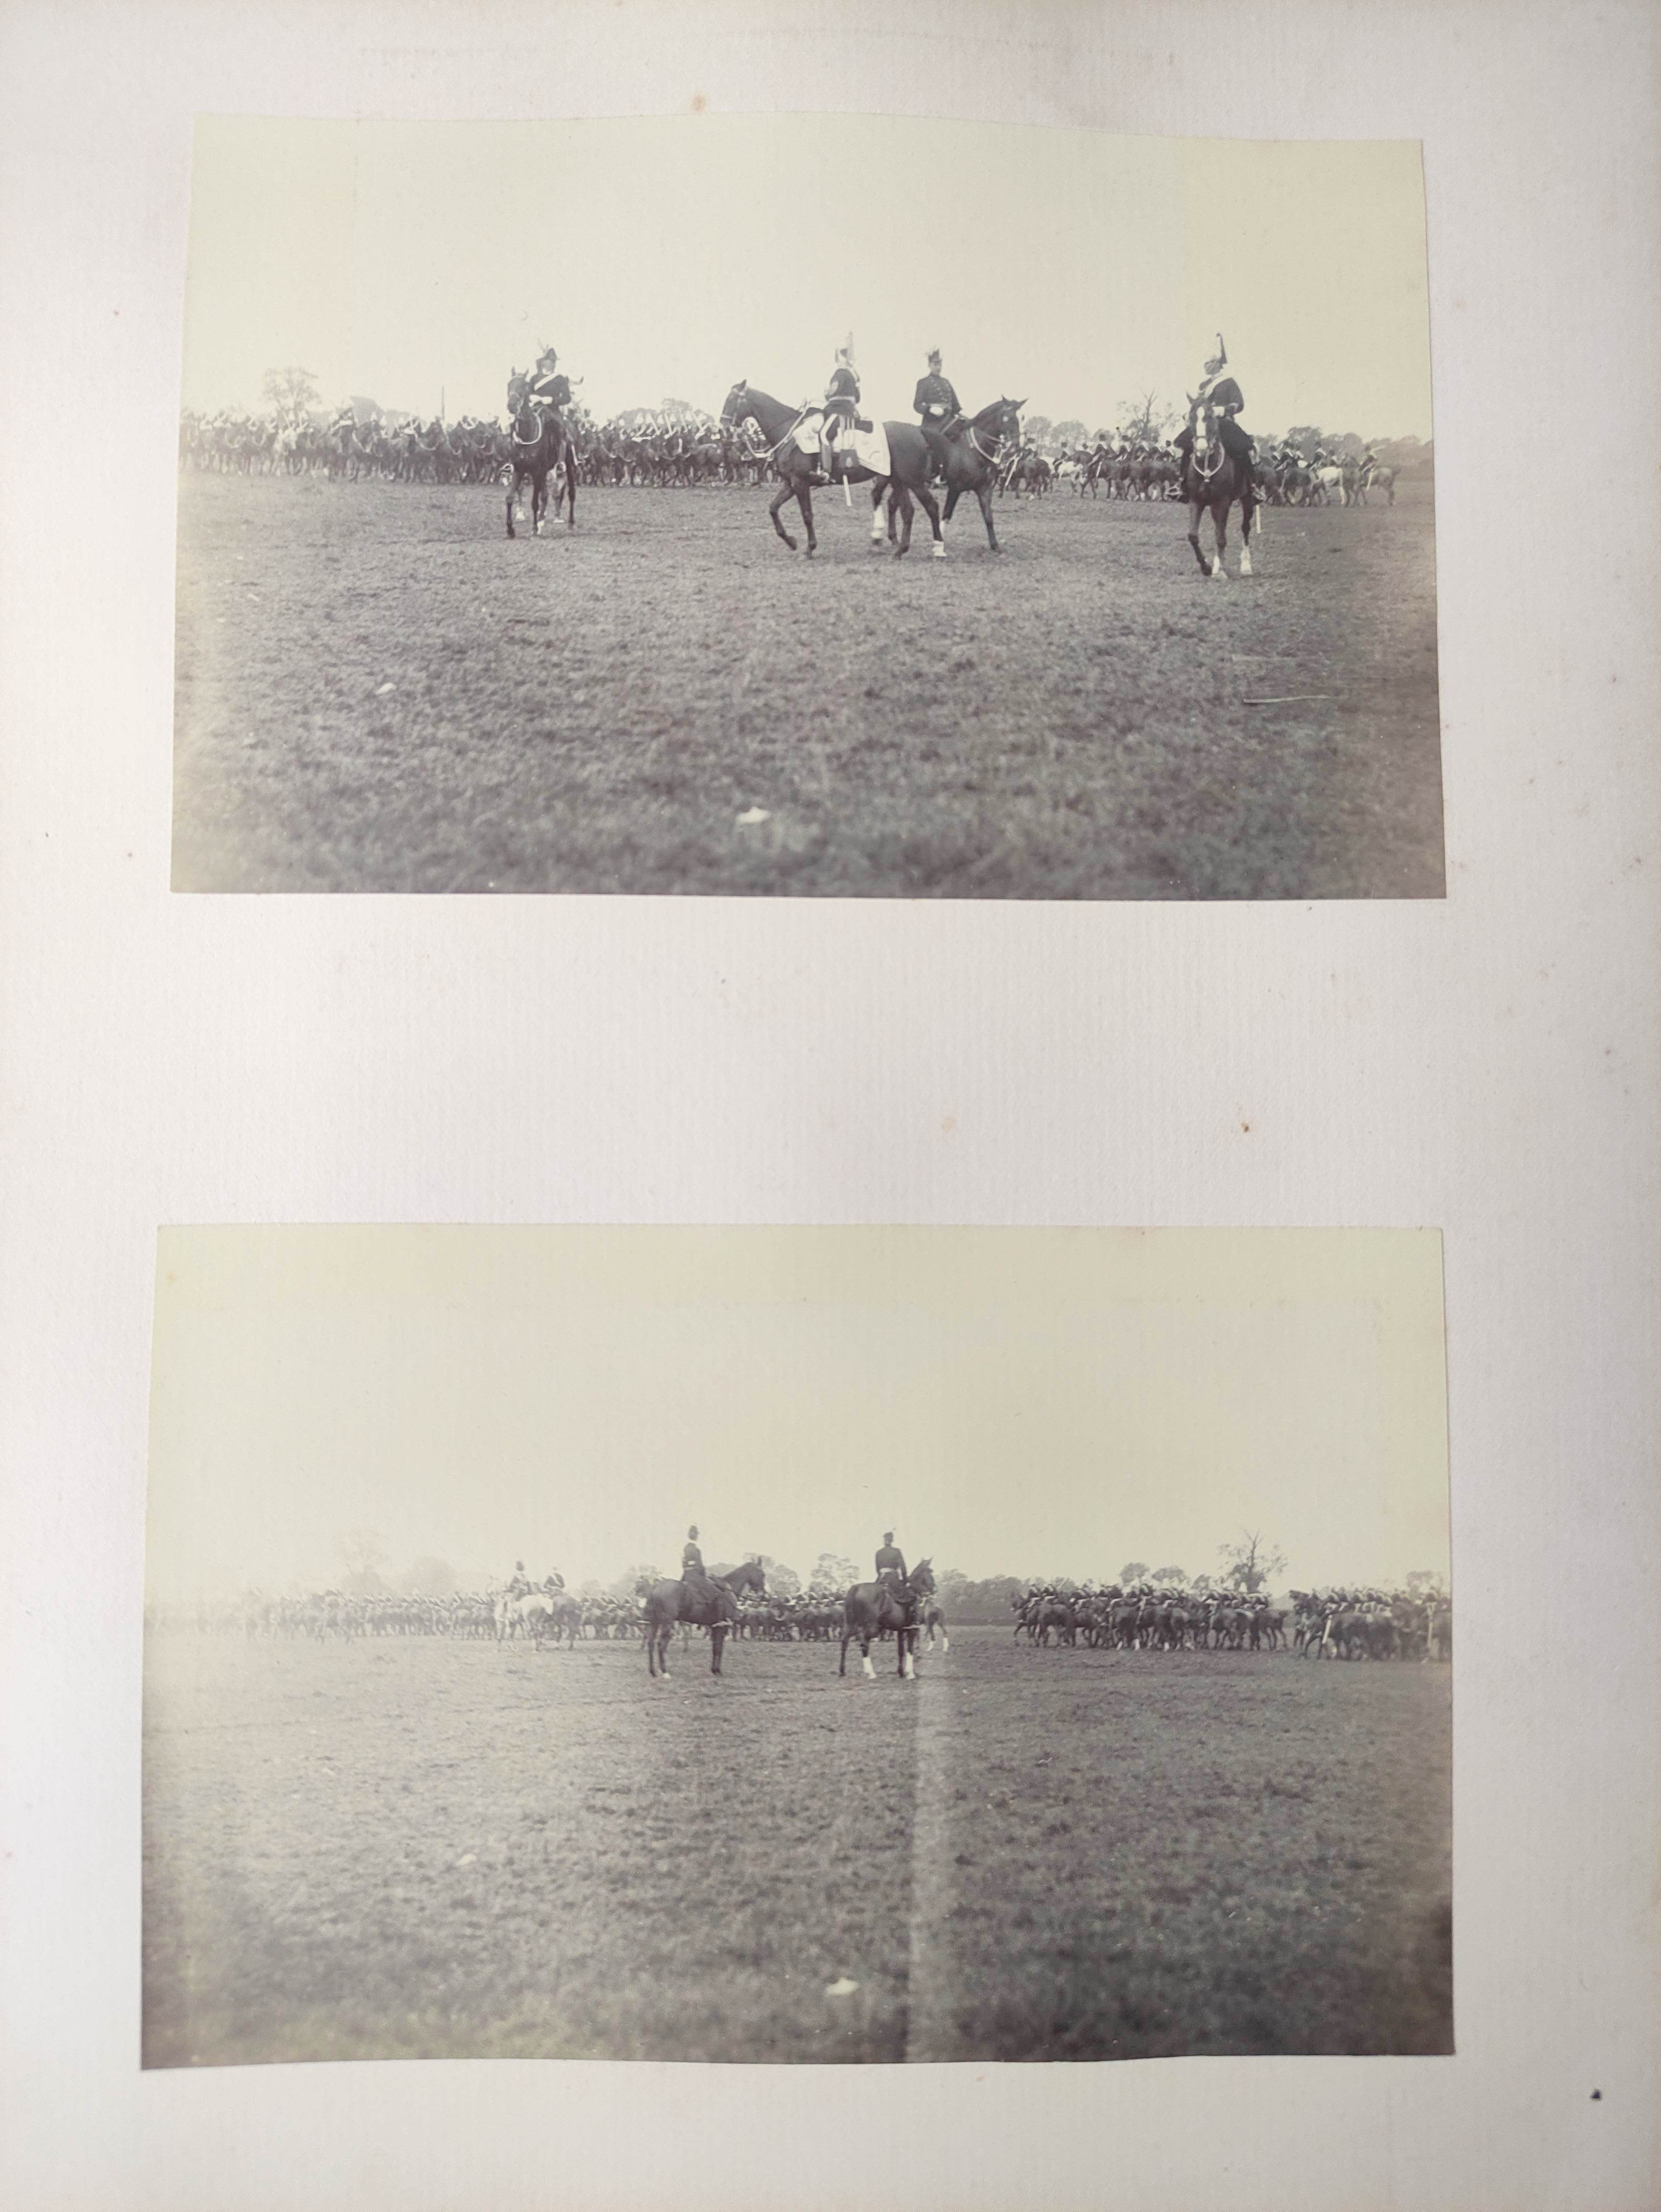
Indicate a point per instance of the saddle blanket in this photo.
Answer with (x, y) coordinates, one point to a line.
(868, 447)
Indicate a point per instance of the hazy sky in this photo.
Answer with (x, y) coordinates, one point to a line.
(1009, 1401)
(666, 256)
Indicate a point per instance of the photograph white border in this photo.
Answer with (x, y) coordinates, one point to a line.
(1486, 1066)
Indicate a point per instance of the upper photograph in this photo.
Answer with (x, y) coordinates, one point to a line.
(809, 507)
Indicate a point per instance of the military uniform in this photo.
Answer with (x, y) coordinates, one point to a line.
(938, 406)
(890, 1563)
(1225, 399)
(842, 402)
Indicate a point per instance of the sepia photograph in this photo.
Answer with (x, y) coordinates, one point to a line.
(782, 1645)
(804, 505)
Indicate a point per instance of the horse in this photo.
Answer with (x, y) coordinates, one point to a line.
(540, 1615)
(871, 1609)
(968, 462)
(1055, 1612)
(1377, 478)
(712, 1606)
(798, 467)
(1213, 480)
(540, 446)
(934, 1620)
(749, 1576)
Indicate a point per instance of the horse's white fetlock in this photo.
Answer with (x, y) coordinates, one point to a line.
(940, 549)
(870, 1671)
(1245, 565)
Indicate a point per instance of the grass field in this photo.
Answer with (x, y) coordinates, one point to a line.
(377, 691)
(433, 1848)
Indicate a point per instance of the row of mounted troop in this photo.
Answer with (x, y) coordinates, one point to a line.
(1363, 1624)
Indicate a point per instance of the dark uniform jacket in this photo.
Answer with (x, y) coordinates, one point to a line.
(890, 1560)
(935, 397)
(1226, 395)
(690, 1557)
(842, 394)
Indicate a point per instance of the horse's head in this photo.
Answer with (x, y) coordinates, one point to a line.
(922, 1578)
(736, 405)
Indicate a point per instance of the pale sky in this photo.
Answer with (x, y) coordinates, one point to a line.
(667, 256)
(1012, 1402)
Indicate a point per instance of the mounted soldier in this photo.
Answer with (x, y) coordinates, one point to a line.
(520, 1582)
(691, 1566)
(1218, 391)
(546, 388)
(937, 408)
(890, 1564)
(841, 406)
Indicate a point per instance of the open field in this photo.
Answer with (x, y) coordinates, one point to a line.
(422, 1847)
(377, 691)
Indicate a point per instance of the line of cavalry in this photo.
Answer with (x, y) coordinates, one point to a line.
(1325, 1625)
(1212, 466)
(734, 1601)
(689, 453)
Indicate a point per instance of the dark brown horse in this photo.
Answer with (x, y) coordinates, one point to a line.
(711, 1604)
(539, 447)
(970, 460)
(1213, 480)
(872, 1609)
(798, 465)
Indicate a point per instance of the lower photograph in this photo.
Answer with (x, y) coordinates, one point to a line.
(827, 1645)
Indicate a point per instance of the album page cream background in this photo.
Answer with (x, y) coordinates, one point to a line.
(1484, 1066)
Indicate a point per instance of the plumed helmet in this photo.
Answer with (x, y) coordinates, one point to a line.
(887, 1536)
(934, 353)
(693, 1531)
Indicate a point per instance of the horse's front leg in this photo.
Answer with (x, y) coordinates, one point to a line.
(787, 492)
(931, 507)
(866, 1668)
(985, 496)
(1195, 510)
(511, 489)
(571, 491)
(717, 1640)
(879, 492)
(908, 1643)
(1248, 518)
(1219, 527)
(804, 501)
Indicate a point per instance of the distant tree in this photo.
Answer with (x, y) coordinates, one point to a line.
(781, 1581)
(427, 1578)
(1132, 1572)
(1036, 428)
(1070, 433)
(834, 1573)
(291, 390)
(1424, 1582)
(1251, 1561)
(362, 1555)
(1306, 436)
(1201, 1582)
(1148, 417)
(1168, 1575)
(591, 1589)
(625, 1583)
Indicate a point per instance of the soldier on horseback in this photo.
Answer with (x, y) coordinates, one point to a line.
(938, 408)
(691, 1567)
(520, 1584)
(1223, 396)
(890, 1564)
(842, 402)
